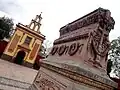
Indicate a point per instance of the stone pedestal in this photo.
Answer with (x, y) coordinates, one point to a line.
(78, 59)
(56, 76)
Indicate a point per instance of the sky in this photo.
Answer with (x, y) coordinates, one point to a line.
(57, 13)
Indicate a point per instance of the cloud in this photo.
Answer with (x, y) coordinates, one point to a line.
(10, 6)
(57, 13)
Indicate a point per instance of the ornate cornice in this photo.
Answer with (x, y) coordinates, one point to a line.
(77, 37)
(81, 78)
(28, 30)
(101, 16)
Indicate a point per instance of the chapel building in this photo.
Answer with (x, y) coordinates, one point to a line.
(25, 43)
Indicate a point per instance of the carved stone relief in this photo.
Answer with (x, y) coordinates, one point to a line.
(45, 82)
(94, 29)
(61, 49)
(65, 49)
(93, 80)
(98, 46)
(102, 16)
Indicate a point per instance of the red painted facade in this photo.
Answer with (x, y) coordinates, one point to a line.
(37, 62)
(117, 81)
(3, 45)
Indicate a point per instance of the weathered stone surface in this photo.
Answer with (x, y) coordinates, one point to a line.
(17, 72)
(15, 77)
(11, 84)
(52, 77)
(78, 59)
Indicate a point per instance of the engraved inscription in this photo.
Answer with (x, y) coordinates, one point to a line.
(45, 82)
(82, 77)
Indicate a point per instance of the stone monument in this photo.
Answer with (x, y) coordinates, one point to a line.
(78, 58)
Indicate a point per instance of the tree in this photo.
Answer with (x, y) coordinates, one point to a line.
(109, 67)
(6, 27)
(47, 45)
(44, 49)
(114, 57)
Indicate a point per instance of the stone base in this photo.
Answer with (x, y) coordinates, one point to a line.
(6, 57)
(11, 84)
(32, 87)
(9, 58)
(57, 77)
(30, 65)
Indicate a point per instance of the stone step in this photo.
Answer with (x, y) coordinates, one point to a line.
(4, 87)
(10, 84)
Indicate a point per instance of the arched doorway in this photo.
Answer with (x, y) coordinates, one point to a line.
(19, 57)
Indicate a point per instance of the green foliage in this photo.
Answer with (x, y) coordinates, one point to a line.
(109, 65)
(6, 27)
(114, 56)
(42, 51)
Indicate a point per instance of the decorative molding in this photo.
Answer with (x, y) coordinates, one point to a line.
(54, 50)
(75, 38)
(98, 47)
(74, 48)
(103, 85)
(67, 49)
(25, 29)
(14, 43)
(34, 51)
(61, 49)
(47, 82)
(14, 83)
(101, 16)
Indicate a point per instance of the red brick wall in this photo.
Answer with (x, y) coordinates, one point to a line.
(3, 45)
